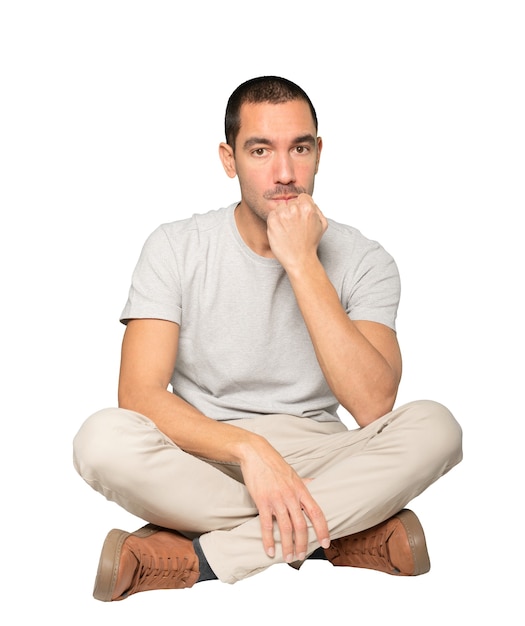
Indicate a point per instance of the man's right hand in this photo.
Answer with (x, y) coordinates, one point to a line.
(279, 493)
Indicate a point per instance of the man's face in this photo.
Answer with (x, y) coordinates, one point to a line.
(276, 154)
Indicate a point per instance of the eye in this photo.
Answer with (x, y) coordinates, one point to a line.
(259, 152)
(302, 149)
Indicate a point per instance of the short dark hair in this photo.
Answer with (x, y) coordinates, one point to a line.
(273, 89)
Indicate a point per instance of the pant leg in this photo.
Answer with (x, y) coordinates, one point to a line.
(122, 455)
(361, 477)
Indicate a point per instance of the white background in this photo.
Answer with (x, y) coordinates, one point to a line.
(110, 117)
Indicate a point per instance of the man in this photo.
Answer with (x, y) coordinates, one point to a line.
(263, 317)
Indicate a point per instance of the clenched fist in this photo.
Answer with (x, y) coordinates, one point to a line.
(295, 229)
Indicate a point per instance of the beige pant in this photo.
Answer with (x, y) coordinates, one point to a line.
(361, 477)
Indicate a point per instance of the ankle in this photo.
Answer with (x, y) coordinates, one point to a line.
(205, 570)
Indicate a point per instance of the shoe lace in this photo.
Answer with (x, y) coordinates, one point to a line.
(161, 573)
(368, 549)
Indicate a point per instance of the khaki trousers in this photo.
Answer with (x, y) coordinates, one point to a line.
(360, 477)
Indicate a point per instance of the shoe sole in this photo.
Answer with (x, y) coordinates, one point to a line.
(109, 561)
(416, 540)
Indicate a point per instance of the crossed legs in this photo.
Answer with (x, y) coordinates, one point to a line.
(360, 477)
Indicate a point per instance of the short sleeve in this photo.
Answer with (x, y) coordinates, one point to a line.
(155, 290)
(375, 291)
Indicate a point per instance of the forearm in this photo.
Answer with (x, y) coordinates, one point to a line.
(361, 378)
(187, 427)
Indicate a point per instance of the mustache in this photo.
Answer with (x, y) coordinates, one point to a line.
(283, 190)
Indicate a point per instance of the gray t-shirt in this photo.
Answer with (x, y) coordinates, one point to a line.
(244, 349)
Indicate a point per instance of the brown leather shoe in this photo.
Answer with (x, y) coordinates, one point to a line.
(150, 558)
(396, 546)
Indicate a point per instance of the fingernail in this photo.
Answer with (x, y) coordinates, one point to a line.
(301, 556)
(289, 558)
(325, 543)
(271, 552)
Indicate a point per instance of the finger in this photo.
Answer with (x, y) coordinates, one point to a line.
(266, 520)
(286, 534)
(300, 535)
(315, 514)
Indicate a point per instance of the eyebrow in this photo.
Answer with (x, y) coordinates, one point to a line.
(253, 141)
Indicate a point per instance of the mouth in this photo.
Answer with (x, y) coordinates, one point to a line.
(283, 193)
(283, 198)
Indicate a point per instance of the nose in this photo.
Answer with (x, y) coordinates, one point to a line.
(283, 172)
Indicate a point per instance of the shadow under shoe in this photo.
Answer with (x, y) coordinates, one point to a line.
(149, 558)
(396, 546)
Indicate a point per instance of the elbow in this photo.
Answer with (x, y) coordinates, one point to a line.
(364, 418)
(126, 400)
(132, 398)
(140, 397)
(370, 409)
(125, 394)
(376, 400)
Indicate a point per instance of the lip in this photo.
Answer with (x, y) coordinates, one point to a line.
(283, 198)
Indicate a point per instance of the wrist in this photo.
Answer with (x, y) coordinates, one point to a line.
(307, 268)
(247, 445)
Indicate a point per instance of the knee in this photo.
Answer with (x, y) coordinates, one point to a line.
(441, 435)
(96, 442)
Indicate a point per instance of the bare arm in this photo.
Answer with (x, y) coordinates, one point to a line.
(361, 360)
(149, 351)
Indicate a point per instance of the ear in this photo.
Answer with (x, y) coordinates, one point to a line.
(228, 159)
(319, 148)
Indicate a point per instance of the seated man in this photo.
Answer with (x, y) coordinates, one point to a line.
(246, 328)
